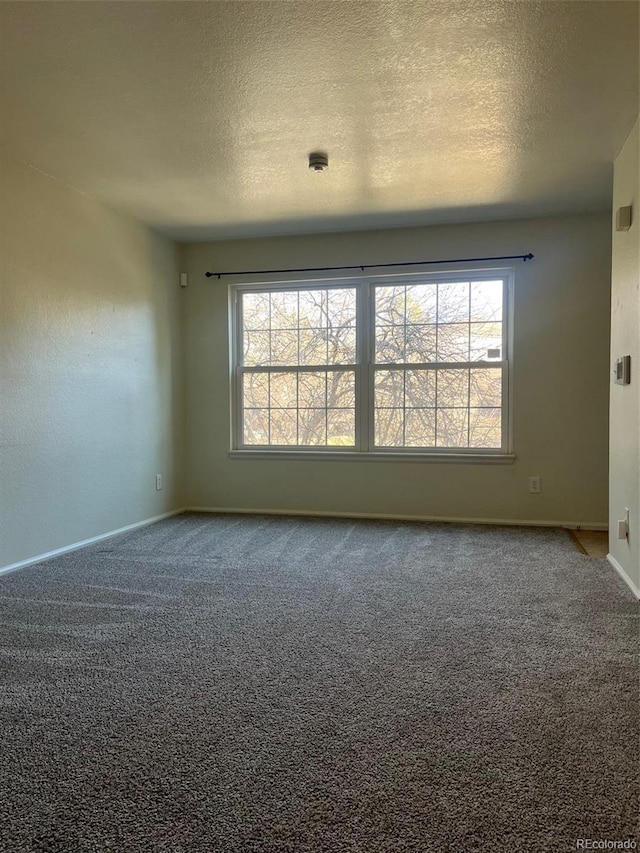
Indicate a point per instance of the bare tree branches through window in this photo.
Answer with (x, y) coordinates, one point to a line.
(435, 379)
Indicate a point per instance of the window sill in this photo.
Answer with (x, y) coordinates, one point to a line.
(377, 456)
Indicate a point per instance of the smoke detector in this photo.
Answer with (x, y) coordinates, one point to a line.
(318, 161)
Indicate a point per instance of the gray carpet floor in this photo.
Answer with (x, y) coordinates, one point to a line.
(228, 683)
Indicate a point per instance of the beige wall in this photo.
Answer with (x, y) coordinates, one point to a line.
(625, 340)
(561, 364)
(89, 367)
(92, 345)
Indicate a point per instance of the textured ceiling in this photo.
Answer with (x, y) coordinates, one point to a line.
(197, 118)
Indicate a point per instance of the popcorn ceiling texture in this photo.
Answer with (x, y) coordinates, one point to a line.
(225, 683)
(197, 118)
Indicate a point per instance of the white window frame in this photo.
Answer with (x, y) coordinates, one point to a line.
(365, 367)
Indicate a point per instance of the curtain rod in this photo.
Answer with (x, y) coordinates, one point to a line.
(364, 267)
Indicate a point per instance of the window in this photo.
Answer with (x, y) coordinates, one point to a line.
(411, 365)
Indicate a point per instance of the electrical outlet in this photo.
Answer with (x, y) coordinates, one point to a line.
(158, 482)
(534, 485)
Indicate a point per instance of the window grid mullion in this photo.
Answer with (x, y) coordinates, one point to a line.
(326, 328)
(365, 367)
(297, 408)
(298, 329)
(469, 375)
(270, 338)
(269, 400)
(326, 407)
(435, 413)
(303, 368)
(440, 365)
(404, 407)
(298, 374)
(404, 375)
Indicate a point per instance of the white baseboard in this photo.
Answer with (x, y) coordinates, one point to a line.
(516, 522)
(12, 567)
(625, 577)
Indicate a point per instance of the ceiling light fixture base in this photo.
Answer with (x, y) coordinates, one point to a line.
(318, 161)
